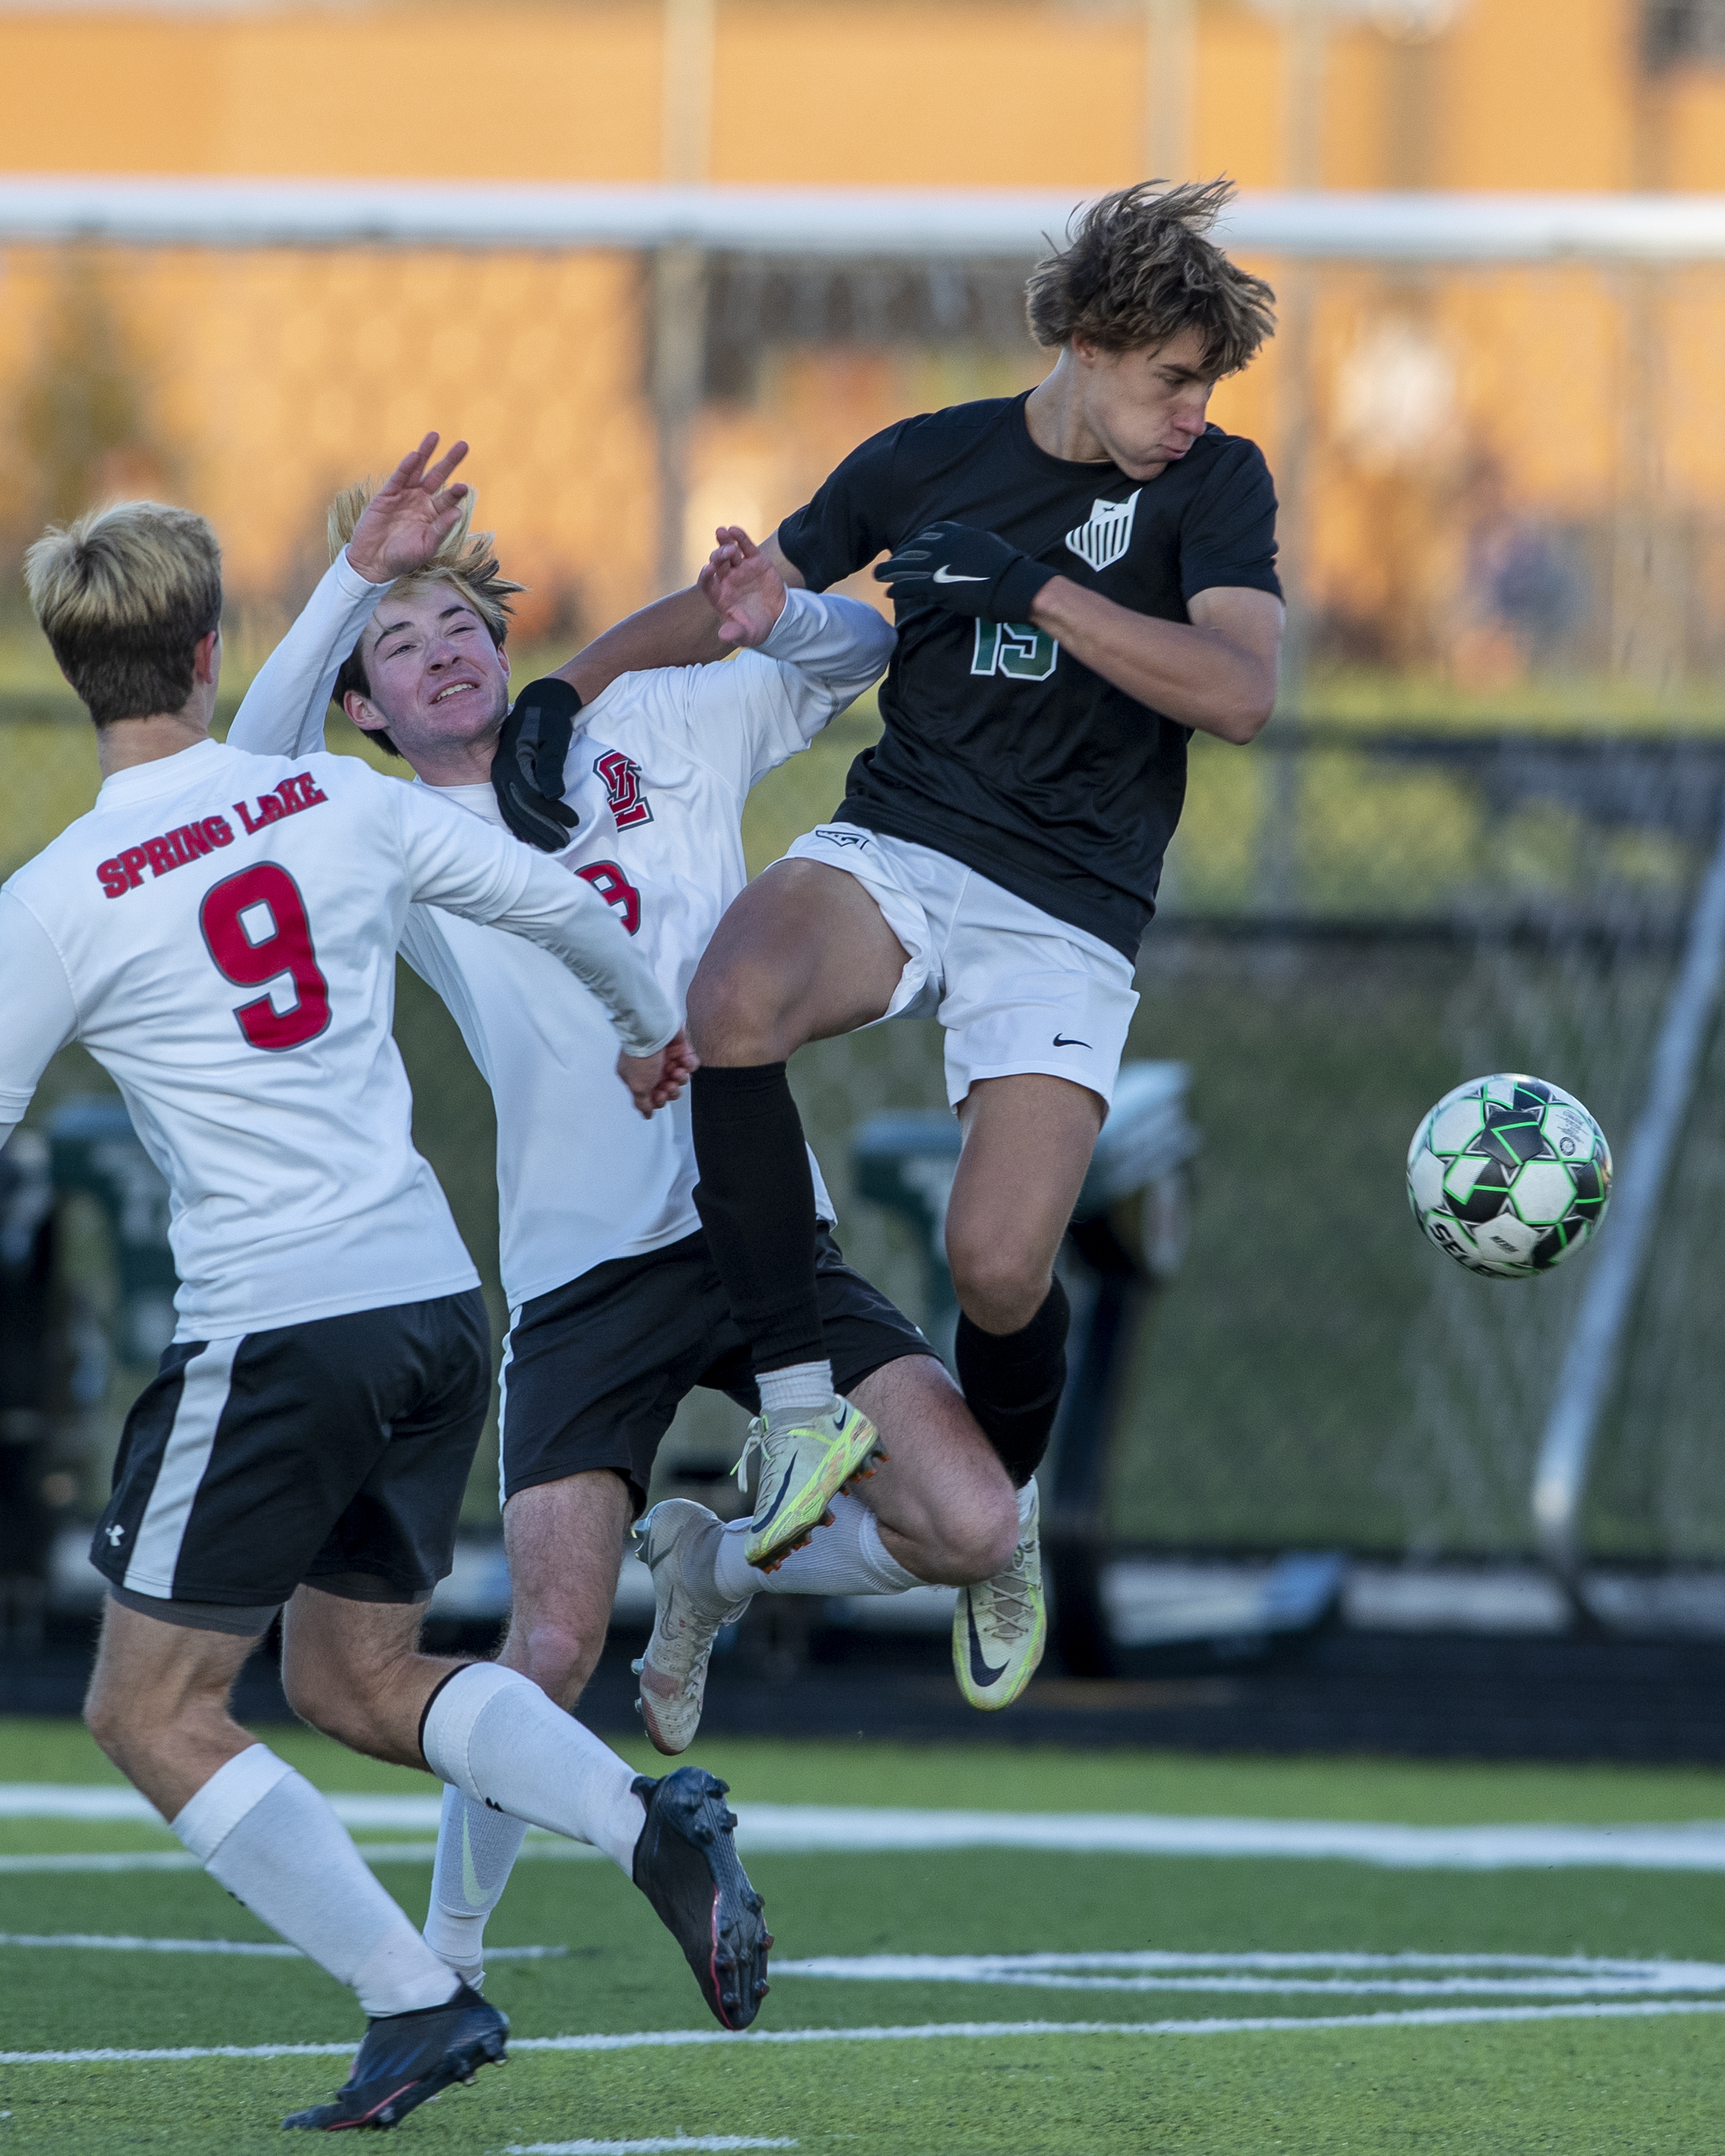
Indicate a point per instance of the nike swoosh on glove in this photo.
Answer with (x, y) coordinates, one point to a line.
(966, 571)
(527, 770)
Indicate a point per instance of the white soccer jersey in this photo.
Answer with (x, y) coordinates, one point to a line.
(220, 930)
(657, 777)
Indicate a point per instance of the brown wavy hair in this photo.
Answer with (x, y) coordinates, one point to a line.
(1139, 267)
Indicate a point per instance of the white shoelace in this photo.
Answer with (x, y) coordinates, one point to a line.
(1014, 1598)
(755, 1442)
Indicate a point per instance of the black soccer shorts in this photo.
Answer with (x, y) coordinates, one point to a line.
(334, 1452)
(594, 1372)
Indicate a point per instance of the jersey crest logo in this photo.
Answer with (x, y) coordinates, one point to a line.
(1104, 539)
(623, 783)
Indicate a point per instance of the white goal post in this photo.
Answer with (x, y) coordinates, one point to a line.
(840, 221)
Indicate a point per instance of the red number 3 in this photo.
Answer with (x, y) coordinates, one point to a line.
(255, 926)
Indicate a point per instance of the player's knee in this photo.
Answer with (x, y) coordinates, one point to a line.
(980, 1542)
(559, 1658)
(1000, 1287)
(335, 1699)
(107, 1719)
(736, 1012)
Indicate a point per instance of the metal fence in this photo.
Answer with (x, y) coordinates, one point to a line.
(1354, 922)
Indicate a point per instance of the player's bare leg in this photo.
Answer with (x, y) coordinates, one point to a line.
(1027, 1145)
(564, 1540)
(158, 1704)
(158, 1707)
(804, 953)
(940, 1511)
(353, 1669)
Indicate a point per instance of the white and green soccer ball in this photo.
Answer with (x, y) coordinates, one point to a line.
(1509, 1175)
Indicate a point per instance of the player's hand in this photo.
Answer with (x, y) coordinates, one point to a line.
(410, 515)
(964, 570)
(527, 770)
(654, 1081)
(743, 587)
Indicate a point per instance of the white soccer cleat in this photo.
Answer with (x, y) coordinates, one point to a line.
(679, 1543)
(1000, 1626)
(805, 1463)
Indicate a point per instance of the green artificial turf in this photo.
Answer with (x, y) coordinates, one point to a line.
(1574, 2086)
(1018, 1777)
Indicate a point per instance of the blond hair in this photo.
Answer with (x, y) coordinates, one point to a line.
(124, 595)
(1138, 267)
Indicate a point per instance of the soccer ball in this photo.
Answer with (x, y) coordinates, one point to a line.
(1509, 1175)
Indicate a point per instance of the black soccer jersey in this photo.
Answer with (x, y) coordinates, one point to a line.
(999, 749)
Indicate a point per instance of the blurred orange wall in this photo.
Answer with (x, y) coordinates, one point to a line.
(1516, 93)
(272, 378)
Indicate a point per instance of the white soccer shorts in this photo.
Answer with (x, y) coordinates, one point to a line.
(1017, 991)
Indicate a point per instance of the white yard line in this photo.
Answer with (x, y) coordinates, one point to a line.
(1425, 2017)
(1404, 1976)
(641, 2147)
(848, 1830)
(264, 1949)
(1396, 1975)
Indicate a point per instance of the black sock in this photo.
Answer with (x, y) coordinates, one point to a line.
(756, 1200)
(1013, 1383)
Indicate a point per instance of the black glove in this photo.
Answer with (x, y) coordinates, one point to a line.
(527, 770)
(966, 571)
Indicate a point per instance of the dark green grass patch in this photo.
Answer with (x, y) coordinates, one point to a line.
(1580, 2087)
(1594, 2089)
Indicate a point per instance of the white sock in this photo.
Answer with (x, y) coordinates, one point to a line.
(848, 1558)
(800, 1385)
(262, 1831)
(494, 1735)
(476, 1850)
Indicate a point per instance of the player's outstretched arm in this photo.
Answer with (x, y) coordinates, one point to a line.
(826, 651)
(470, 867)
(1217, 673)
(404, 523)
(682, 630)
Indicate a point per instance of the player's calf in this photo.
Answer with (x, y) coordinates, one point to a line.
(944, 1504)
(564, 1540)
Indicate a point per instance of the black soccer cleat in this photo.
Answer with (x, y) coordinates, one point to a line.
(686, 1865)
(407, 2059)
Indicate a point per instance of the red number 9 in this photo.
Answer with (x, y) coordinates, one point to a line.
(275, 940)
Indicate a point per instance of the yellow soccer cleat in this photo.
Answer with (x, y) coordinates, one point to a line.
(803, 1467)
(1000, 1626)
